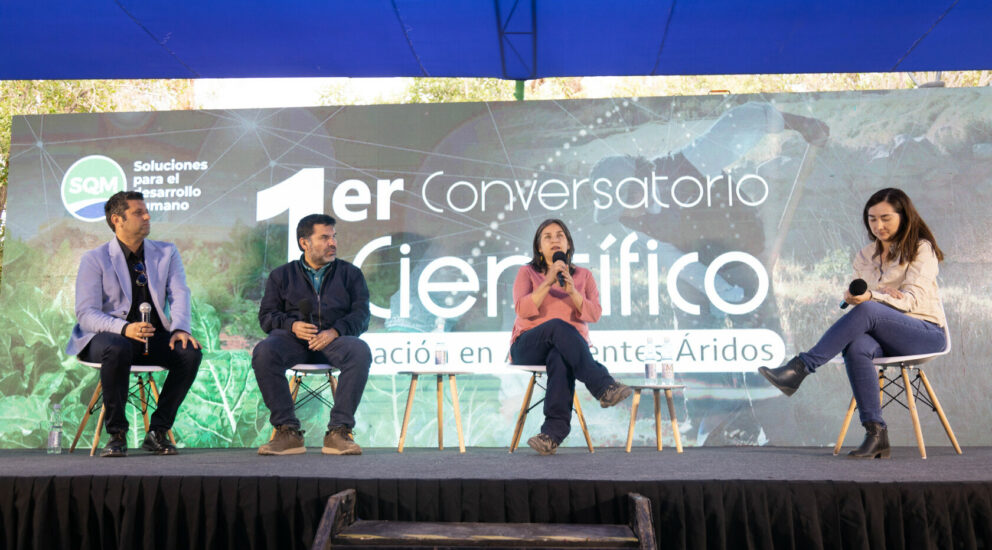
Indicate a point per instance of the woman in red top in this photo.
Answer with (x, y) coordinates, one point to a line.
(554, 302)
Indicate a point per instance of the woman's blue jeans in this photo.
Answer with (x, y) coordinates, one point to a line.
(868, 331)
(564, 351)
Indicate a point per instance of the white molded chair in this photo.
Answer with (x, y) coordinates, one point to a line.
(898, 386)
(537, 371)
(301, 370)
(144, 375)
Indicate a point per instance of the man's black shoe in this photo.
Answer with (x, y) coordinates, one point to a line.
(157, 441)
(117, 445)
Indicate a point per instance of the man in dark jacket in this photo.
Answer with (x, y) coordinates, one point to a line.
(313, 310)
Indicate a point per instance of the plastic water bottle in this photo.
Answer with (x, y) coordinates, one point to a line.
(667, 362)
(55, 431)
(650, 367)
(440, 354)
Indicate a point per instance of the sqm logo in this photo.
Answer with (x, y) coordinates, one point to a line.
(87, 185)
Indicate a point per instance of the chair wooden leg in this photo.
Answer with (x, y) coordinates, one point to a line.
(657, 416)
(633, 417)
(458, 412)
(940, 412)
(154, 387)
(675, 423)
(881, 387)
(845, 426)
(582, 421)
(850, 412)
(522, 417)
(334, 384)
(406, 414)
(144, 401)
(911, 403)
(440, 412)
(99, 427)
(294, 386)
(86, 416)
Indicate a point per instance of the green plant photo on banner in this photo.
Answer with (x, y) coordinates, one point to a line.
(720, 230)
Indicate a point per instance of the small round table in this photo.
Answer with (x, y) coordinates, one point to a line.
(440, 374)
(656, 388)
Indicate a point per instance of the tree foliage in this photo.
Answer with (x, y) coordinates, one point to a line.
(450, 90)
(346, 91)
(35, 97)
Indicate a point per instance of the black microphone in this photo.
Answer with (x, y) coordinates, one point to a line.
(560, 256)
(856, 288)
(306, 309)
(145, 308)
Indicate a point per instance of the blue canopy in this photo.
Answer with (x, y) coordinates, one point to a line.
(513, 39)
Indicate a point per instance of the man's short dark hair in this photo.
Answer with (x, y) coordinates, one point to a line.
(117, 205)
(305, 228)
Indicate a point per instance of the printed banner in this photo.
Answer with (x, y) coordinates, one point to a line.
(719, 230)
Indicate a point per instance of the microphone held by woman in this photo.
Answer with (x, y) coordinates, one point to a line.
(560, 257)
(856, 288)
(899, 266)
(552, 329)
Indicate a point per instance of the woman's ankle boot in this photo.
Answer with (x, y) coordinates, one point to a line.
(787, 377)
(876, 443)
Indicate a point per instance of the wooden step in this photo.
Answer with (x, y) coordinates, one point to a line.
(339, 528)
(521, 535)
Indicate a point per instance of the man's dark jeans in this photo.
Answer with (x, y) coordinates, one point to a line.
(116, 354)
(282, 349)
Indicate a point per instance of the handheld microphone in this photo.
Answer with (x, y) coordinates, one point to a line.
(145, 308)
(560, 256)
(306, 309)
(856, 288)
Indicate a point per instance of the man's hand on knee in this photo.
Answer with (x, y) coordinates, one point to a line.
(323, 339)
(184, 337)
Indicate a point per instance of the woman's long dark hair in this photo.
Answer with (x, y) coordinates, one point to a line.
(911, 230)
(537, 261)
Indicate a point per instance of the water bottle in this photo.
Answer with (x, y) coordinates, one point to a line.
(650, 367)
(667, 362)
(55, 431)
(440, 354)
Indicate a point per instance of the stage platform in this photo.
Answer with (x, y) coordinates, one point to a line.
(746, 497)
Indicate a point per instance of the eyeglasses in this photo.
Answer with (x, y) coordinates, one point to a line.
(141, 279)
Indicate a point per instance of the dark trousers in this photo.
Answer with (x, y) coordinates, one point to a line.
(282, 349)
(559, 346)
(116, 354)
(868, 331)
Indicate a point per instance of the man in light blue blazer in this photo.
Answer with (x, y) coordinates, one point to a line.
(114, 281)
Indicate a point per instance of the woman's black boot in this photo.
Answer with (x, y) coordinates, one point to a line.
(787, 377)
(876, 443)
